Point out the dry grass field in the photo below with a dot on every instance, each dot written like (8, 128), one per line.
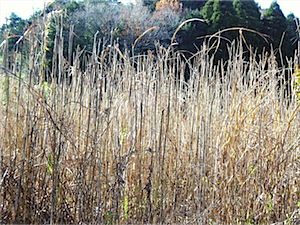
(118, 139)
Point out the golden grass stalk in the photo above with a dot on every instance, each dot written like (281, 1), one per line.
(134, 142)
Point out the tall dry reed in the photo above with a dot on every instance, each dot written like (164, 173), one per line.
(119, 139)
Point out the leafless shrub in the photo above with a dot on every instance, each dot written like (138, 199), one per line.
(126, 23)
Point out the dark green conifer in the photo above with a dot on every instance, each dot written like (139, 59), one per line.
(219, 14)
(192, 33)
(275, 25)
(247, 13)
(248, 16)
(193, 4)
(292, 29)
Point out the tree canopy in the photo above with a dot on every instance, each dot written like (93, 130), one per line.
(248, 16)
(219, 15)
(274, 22)
(125, 23)
(247, 13)
(275, 25)
(193, 4)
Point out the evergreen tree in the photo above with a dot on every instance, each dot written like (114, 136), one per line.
(208, 10)
(292, 29)
(192, 31)
(274, 23)
(15, 28)
(248, 16)
(193, 5)
(219, 14)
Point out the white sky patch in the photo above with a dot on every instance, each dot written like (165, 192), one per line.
(23, 8)
(286, 6)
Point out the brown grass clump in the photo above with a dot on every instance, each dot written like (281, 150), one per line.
(128, 140)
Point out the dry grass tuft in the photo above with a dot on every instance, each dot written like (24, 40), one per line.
(128, 140)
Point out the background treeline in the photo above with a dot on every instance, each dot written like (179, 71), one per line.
(125, 23)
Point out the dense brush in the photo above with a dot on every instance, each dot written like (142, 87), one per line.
(117, 139)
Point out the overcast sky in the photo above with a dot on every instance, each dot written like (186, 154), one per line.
(25, 8)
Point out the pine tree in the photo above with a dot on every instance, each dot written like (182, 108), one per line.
(247, 13)
(15, 28)
(292, 29)
(191, 32)
(248, 16)
(219, 14)
(208, 10)
(274, 23)
(193, 4)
